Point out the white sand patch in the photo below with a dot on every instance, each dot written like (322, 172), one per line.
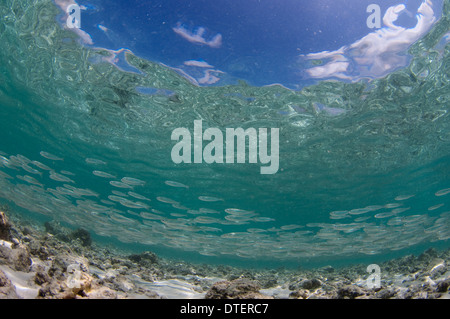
(22, 281)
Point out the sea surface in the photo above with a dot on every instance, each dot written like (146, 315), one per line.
(87, 116)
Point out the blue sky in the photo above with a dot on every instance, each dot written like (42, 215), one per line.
(256, 40)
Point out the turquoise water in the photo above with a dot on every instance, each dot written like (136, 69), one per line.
(364, 166)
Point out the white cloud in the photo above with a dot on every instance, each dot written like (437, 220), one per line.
(200, 64)
(84, 36)
(379, 52)
(197, 36)
(210, 77)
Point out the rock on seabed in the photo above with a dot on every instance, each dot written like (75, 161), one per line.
(63, 263)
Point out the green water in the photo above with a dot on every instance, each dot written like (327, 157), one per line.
(359, 184)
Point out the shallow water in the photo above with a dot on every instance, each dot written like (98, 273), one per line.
(363, 165)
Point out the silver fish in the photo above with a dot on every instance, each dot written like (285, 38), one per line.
(119, 184)
(119, 193)
(30, 180)
(132, 181)
(138, 196)
(209, 199)
(175, 184)
(50, 156)
(435, 207)
(67, 173)
(208, 211)
(31, 170)
(263, 219)
(115, 198)
(238, 211)
(85, 192)
(94, 161)
(166, 200)
(103, 174)
(41, 166)
(130, 204)
(442, 192)
(60, 178)
(403, 197)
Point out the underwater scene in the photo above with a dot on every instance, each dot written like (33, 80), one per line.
(220, 150)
